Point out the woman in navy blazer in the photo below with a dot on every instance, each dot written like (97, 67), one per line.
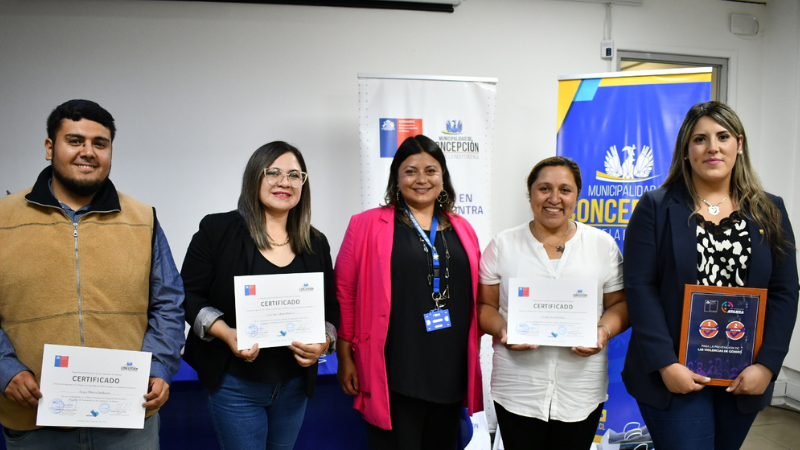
(711, 203)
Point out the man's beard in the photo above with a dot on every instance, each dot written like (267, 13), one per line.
(78, 187)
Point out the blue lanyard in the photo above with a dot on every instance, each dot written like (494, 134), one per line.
(429, 242)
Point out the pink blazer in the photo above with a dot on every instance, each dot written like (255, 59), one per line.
(363, 286)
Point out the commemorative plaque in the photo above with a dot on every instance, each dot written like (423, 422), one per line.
(721, 331)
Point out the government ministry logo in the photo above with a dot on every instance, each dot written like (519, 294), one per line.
(629, 170)
(393, 131)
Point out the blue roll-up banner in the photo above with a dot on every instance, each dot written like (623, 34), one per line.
(621, 128)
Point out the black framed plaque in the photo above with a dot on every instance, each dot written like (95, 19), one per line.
(722, 330)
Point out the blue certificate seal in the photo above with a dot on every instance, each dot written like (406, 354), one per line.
(523, 328)
(56, 406)
(562, 330)
(252, 330)
(290, 327)
(105, 408)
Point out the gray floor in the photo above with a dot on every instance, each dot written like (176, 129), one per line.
(774, 429)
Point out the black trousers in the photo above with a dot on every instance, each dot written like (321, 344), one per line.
(520, 432)
(417, 425)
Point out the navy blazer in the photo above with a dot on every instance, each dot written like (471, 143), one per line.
(660, 259)
(220, 250)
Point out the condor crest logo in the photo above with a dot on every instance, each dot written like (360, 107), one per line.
(629, 170)
(453, 127)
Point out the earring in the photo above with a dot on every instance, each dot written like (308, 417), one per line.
(741, 152)
(398, 195)
(443, 197)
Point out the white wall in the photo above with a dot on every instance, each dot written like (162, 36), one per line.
(196, 87)
(780, 109)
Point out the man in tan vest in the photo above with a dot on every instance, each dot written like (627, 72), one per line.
(83, 265)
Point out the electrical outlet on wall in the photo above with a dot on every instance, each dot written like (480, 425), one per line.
(607, 49)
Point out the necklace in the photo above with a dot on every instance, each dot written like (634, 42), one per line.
(277, 244)
(713, 209)
(560, 247)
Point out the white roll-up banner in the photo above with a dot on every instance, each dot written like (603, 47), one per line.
(456, 112)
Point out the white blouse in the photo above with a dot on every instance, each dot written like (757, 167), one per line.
(550, 382)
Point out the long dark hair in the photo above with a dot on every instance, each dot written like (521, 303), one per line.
(412, 146)
(298, 225)
(746, 189)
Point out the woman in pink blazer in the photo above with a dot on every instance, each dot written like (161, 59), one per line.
(406, 279)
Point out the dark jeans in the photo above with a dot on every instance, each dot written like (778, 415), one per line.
(520, 432)
(704, 420)
(417, 425)
(249, 415)
(49, 438)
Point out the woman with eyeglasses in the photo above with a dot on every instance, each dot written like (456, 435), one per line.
(257, 396)
(548, 395)
(406, 279)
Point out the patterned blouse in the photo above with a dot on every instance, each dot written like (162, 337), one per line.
(723, 251)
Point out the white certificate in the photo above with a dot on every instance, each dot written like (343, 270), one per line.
(93, 387)
(546, 311)
(274, 310)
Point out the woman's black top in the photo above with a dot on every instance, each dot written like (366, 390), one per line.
(426, 365)
(274, 364)
(723, 251)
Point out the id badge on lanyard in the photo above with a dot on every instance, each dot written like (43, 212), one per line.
(437, 319)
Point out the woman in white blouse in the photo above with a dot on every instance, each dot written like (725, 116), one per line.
(551, 397)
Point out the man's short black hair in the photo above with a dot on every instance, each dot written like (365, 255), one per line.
(77, 110)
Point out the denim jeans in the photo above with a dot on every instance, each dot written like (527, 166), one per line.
(49, 438)
(704, 420)
(249, 415)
